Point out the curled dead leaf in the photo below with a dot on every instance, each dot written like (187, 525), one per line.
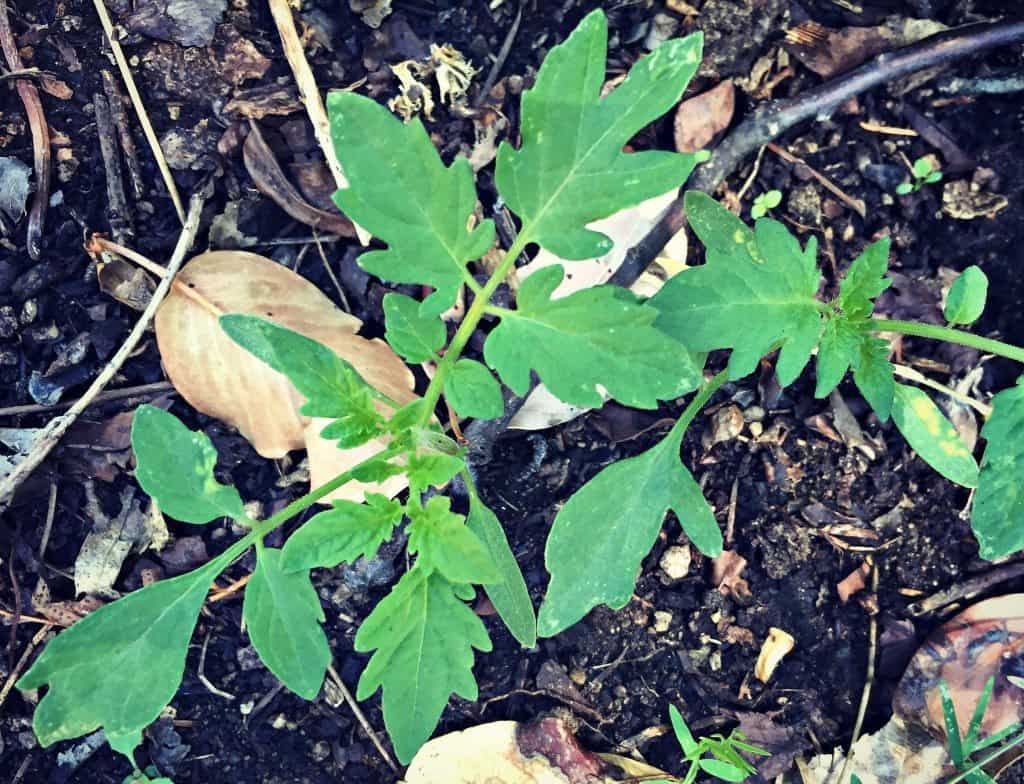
(776, 647)
(219, 378)
(701, 118)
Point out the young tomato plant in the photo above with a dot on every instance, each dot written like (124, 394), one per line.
(118, 667)
(725, 763)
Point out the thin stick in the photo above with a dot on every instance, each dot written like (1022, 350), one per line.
(51, 511)
(124, 133)
(140, 110)
(16, 671)
(118, 212)
(499, 61)
(869, 679)
(309, 93)
(103, 397)
(857, 205)
(58, 426)
(202, 675)
(331, 275)
(224, 593)
(358, 712)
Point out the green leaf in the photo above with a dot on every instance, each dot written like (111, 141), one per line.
(473, 392)
(402, 193)
(934, 177)
(839, 346)
(282, 613)
(966, 299)
(974, 728)
(447, 545)
(865, 280)
(922, 168)
(933, 436)
(604, 531)
(424, 637)
(757, 291)
(904, 188)
(432, 469)
(571, 169)
(998, 514)
(508, 594)
(873, 375)
(956, 751)
(333, 388)
(376, 471)
(722, 770)
(120, 665)
(175, 466)
(598, 336)
(417, 338)
(682, 732)
(342, 534)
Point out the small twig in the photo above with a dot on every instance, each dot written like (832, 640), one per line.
(309, 93)
(869, 678)
(202, 675)
(16, 590)
(58, 426)
(331, 275)
(24, 618)
(102, 397)
(117, 113)
(221, 594)
(51, 512)
(22, 769)
(730, 518)
(29, 95)
(749, 182)
(966, 590)
(16, 670)
(857, 205)
(499, 61)
(361, 718)
(118, 212)
(140, 109)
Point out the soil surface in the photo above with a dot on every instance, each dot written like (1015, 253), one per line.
(783, 470)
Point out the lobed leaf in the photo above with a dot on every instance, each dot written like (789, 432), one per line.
(933, 436)
(598, 336)
(423, 635)
(432, 469)
(473, 392)
(416, 337)
(138, 643)
(966, 299)
(873, 375)
(865, 280)
(998, 514)
(282, 613)
(404, 194)
(508, 594)
(175, 466)
(603, 532)
(445, 544)
(757, 291)
(342, 534)
(570, 169)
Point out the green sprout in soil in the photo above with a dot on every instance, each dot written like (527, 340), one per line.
(725, 763)
(757, 294)
(924, 173)
(768, 200)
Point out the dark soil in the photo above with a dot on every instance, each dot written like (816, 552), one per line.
(791, 474)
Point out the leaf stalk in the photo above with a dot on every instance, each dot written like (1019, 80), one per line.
(950, 335)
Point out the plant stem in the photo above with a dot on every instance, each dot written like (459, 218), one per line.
(707, 389)
(949, 335)
(468, 326)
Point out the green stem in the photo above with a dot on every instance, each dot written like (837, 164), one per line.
(468, 326)
(949, 335)
(707, 389)
(988, 758)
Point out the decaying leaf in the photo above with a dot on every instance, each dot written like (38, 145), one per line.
(776, 647)
(506, 752)
(372, 12)
(828, 52)
(219, 378)
(128, 284)
(701, 118)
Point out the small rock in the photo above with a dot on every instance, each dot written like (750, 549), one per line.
(39, 278)
(804, 203)
(321, 751)
(8, 322)
(885, 175)
(185, 22)
(14, 187)
(27, 739)
(662, 621)
(248, 659)
(675, 562)
(578, 676)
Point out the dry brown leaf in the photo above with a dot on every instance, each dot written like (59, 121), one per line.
(701, 118)
(776, 647)
(221, 379)
(126, 283)
(854, 582)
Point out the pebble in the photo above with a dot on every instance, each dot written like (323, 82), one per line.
(662, 621)
(675, 562)
(8, 322)
(39, 278)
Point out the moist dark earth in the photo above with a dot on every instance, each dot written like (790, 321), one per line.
(779, 466)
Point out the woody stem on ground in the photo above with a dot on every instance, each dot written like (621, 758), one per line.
(950, 335)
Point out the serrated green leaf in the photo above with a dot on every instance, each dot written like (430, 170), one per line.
(445, 544)
(508, 594)
(333, 388)
(120, 665)
(873, 375)
(933, 436)
(473, 392)
(424, 637)
(282, 613)
(432, 469)
(342, 534)
(758, 290)
(840, 342)
(376, 471)
(966, 299)
(598, 336)
(417, 338)
(998, 514)
(603, 532)
(682, 732)
(402, 193)
(175, 466)
(570, 169)
(865, 280)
